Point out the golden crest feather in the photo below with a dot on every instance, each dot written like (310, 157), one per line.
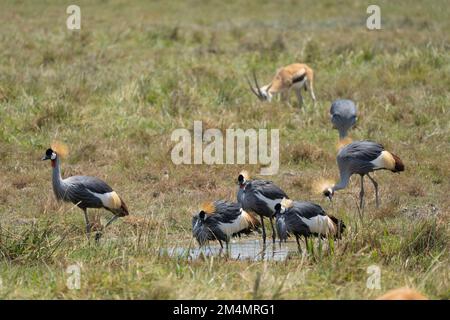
(250, 218)
(208, 207)
(287, 203)
(322, 184)
(60, 148)
(245, 174)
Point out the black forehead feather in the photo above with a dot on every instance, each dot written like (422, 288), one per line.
(49, 152)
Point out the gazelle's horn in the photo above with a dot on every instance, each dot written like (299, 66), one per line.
(261, 96)
(253, 89)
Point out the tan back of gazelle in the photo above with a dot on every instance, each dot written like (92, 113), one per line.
(402, 294)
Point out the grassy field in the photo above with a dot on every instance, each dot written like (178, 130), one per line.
(115, 91)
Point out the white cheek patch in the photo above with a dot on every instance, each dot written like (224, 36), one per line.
(269, 202)
(53, 156)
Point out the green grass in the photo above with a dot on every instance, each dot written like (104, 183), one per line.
(116, 90)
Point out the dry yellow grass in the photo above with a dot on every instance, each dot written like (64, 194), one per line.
(116, 90)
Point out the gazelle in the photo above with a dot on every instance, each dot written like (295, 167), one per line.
(294, 76)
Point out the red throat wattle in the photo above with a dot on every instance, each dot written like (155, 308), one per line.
(53, 163)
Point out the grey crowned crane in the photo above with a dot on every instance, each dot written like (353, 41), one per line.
(301, 218)
(343, 116)
(84, 191)
(260, 197)
(363, 157)
(221, 220)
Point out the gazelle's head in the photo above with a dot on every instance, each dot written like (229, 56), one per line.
(262, 93)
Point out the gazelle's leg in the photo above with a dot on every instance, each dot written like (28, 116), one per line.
(284, 96)
(310, 88)
(298, 93)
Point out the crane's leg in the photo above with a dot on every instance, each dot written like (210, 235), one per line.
(298, 93)
(99, 234)
(375, 184)
(298, 243)
(111, 221)
(264, 230)
(86, 219)
(274, 234)
(221, 244)
(361, 193)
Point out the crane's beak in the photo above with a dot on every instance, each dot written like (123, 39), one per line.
(46, 157)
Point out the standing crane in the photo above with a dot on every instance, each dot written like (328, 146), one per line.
(302, 218)
(84, 191)
(221, 220)
(343, 116)
(296, 76)
(260, 197)
(363, 157)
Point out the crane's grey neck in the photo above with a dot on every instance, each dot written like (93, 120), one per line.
(343, 182)
(342, 133)
(58, 183)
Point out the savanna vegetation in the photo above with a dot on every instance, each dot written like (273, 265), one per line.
(115, 90)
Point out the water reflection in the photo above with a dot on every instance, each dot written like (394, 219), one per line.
(252, 250)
